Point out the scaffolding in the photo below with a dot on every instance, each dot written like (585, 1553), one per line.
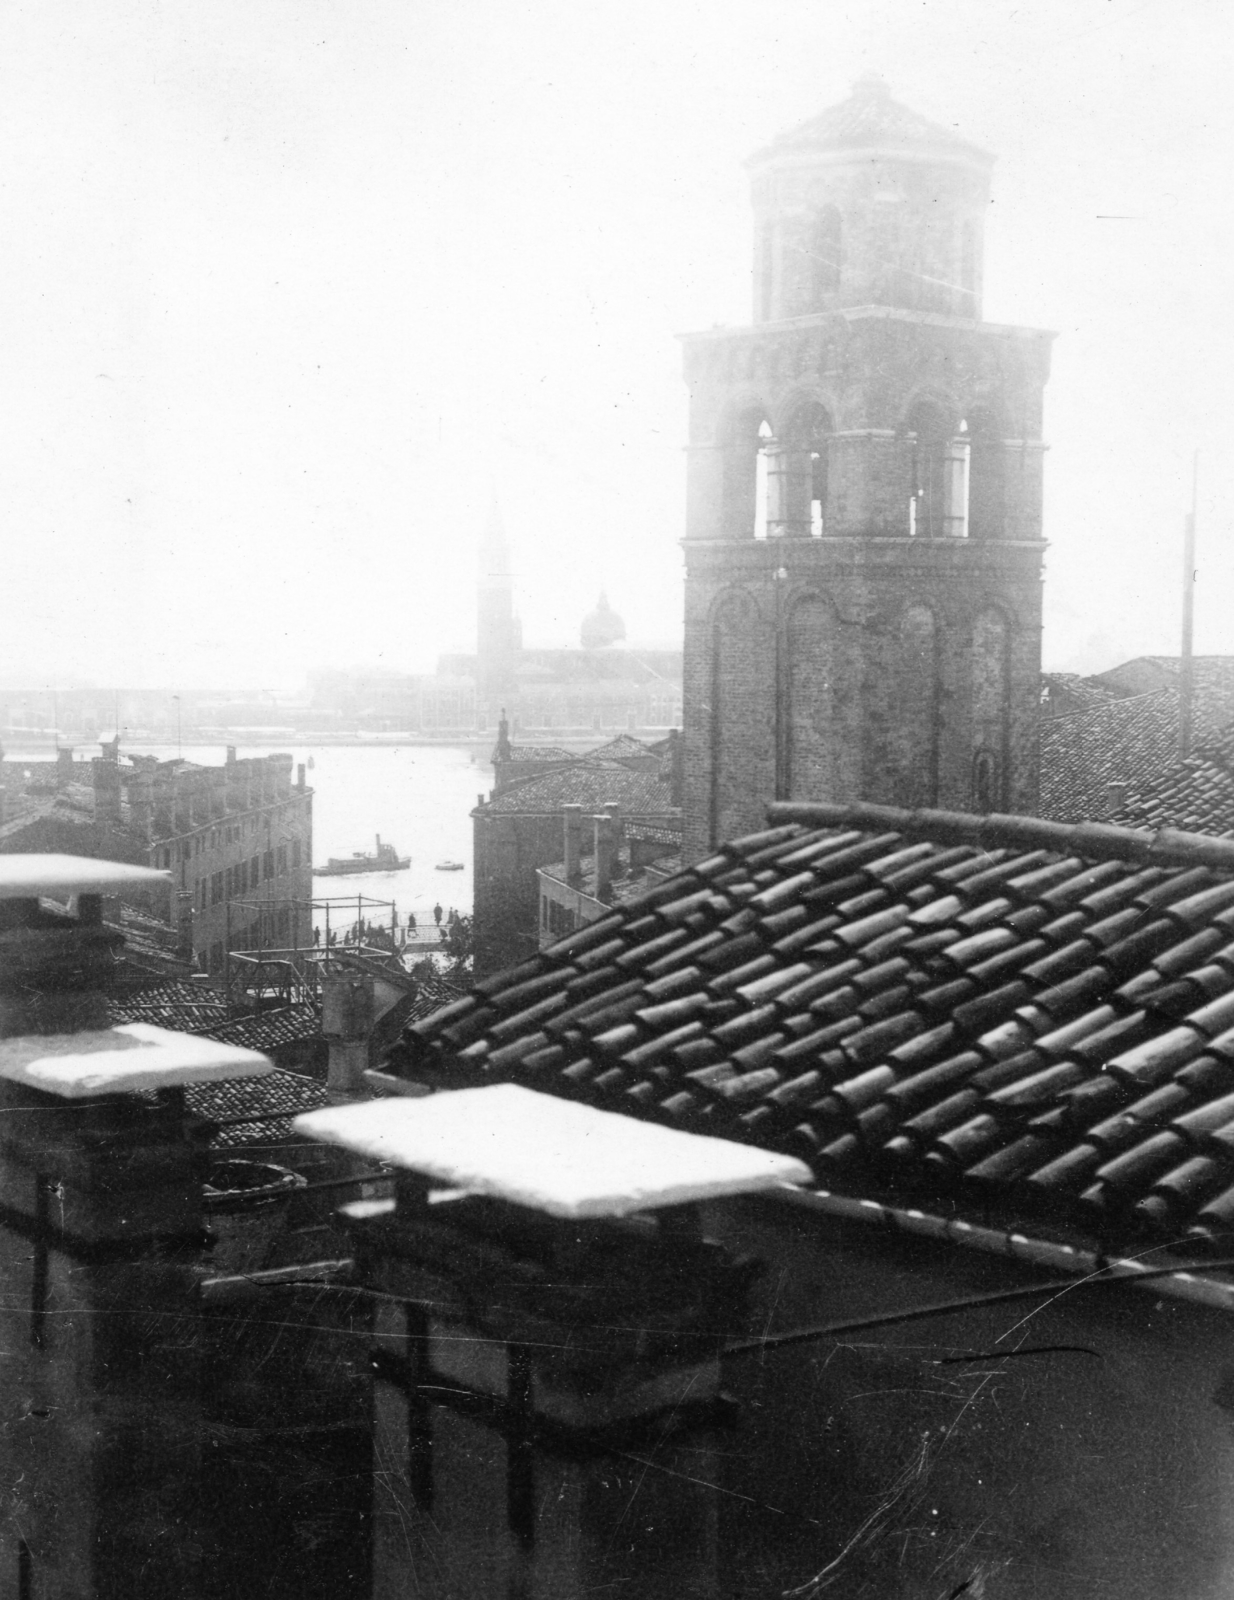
(274, 973)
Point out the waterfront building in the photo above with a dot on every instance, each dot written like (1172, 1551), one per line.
(236, 839)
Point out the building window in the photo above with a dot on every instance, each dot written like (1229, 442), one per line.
(201, 886)
(762, 466)
(268, 865)
(216, 888)
(254, 872)
(282, 860)
(939, 463)
(295, 852)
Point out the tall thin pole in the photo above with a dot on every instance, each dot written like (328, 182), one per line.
(1186, 672)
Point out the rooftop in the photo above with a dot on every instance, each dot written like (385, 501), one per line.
(1002, 1018)
(587, 783)
(871, 119)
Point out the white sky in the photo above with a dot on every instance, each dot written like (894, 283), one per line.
(283, 285)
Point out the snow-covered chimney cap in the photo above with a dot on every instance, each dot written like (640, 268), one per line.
(26, 876)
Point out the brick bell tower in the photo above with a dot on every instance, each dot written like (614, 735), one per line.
(863, 542)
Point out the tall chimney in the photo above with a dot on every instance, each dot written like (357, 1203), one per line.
(604, 856)
(573, 816)
(106, 771)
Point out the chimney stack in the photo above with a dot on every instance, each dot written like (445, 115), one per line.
(106, 772)
(604, 848)
(1115, 794)
(573, 816)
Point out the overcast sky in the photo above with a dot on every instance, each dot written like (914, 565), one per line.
(285, 286)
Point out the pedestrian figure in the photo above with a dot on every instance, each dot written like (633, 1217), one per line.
(316, 935)
(437, 913)
(411, 922)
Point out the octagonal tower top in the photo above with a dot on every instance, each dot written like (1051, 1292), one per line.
(868, 203)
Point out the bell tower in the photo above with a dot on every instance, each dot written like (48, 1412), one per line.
(499, 634)
(863, 541)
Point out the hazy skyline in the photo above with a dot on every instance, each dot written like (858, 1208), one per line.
(285, 287)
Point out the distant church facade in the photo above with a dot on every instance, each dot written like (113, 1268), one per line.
(863, 542)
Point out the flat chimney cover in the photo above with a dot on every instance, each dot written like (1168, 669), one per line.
(550, 1155)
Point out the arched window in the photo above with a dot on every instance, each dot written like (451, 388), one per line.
(985, 781)
(826, 243)
(762, 466)
(939, 459)
(913, 731)
(744, 491)
(798, 505)
(990, 690)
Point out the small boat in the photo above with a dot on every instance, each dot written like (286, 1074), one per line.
(384, 859)
(449, 866)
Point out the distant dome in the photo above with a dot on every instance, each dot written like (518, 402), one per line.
(601, 626)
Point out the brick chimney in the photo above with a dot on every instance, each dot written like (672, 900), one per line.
(106, 775)
(1115, 794)
(573, 817)
(604, 855)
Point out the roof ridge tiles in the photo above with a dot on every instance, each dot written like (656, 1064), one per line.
(1093, 840)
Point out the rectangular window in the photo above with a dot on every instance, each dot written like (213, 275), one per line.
(216, 888)
(268, 865)
(201, 886)
(254, 872)
(282, 858)
(295, 852)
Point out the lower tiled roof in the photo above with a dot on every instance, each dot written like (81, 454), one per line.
(1196, 794)
(998, 1018)
(272, 1101)
(587, 783)
(1123, 741)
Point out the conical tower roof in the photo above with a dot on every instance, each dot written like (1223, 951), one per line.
(871, 119)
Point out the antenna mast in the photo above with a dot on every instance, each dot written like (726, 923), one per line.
(1186, 673)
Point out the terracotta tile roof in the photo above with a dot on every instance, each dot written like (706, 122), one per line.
(193, 1008)
(272, 1100)
(431, 994)
(1074, 693)
(995, 1018)
(621, 748)
(1196, 794)
(266, 1029)
(538, 752)
(1120, 741)
(589, 784)
(654, 833)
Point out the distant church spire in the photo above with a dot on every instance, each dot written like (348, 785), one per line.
(499, 634)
